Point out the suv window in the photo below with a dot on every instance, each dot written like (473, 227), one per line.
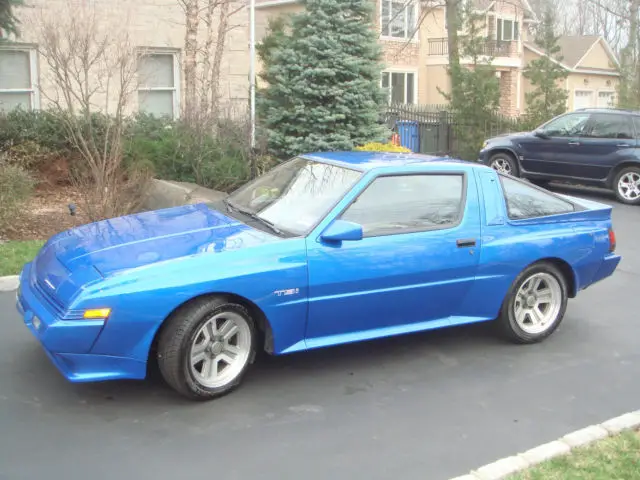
(526, 201)
(570, 125)
(607, 125)
(636, 121)
(408, 203)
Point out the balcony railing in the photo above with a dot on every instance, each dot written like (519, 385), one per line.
(491, 48)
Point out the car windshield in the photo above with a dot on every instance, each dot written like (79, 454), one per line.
(295, 196)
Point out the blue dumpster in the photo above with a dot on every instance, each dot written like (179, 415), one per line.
(409, 135)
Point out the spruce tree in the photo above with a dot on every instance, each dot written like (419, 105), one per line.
(548, 99)
(475, 90)
(323, 90)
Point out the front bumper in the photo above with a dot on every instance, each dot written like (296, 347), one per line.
(68, 342)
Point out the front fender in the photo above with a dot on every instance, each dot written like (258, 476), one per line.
(273, 277)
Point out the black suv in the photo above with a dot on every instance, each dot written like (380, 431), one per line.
(596, 147)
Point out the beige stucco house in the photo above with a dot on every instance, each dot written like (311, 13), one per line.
(414, 40)
(155, 28)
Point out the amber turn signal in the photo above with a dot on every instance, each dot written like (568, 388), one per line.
(97, 313)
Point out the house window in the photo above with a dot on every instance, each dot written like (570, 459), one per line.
(401, 87)
(398, 18)
(507, 30)
(158, 82)
(18, 78)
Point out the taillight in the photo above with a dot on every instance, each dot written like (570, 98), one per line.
(612, 240)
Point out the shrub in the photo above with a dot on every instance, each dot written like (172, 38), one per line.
(176, 151)
(16, 186)
(382, 147)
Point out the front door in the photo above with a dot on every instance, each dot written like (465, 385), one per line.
(415, 264)
(554, 151)
(608, 137)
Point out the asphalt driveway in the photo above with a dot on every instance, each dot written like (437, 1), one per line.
(429, 406)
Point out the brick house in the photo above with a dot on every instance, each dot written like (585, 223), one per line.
(416, 52)
(156, 27)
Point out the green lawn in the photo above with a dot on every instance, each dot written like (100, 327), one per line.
(614, 458)
(13, 255)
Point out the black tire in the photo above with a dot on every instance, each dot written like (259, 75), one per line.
(507, 323)
(177, 340)
(616, 185)
(508, 163)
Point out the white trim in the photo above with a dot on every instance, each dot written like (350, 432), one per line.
(587, 52)
(34, 73)
(177, 79)
(400, 69)
(274, 3)
(507, 62)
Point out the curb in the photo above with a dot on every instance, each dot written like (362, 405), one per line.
(9, 284)
(510, 465)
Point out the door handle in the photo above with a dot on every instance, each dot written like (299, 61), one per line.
(574, 144)
(467, 242)
(623, 145)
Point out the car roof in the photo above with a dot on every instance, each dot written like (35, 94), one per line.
(621, 111)
(365, 161)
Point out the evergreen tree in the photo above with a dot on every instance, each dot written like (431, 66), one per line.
(323, 90)
(8, 21)
(548, 99)
(475, 89)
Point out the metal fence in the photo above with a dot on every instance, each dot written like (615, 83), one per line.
(432, 129)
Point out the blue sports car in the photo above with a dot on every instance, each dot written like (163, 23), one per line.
(325, 249)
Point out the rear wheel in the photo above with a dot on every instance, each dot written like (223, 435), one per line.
(535, 305)
(206, 348)
(627, 185)
(504, 163)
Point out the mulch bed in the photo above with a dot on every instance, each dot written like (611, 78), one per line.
(46, 213)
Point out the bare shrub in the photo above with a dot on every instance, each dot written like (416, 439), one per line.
(93, 67)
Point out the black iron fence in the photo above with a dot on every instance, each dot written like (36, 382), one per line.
(431, 129)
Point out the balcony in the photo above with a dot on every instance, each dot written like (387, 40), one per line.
(490, 48)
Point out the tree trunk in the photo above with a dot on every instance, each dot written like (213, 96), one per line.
(453, 25)
(223, 27)
(190, 58)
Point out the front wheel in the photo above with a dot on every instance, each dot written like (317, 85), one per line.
(206, 348)
(535, 304)
(627, 186)
(504, 163)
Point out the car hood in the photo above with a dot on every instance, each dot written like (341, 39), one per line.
(510, 136)
(138, 240)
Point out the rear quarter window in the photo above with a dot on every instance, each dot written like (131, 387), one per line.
(527, 201)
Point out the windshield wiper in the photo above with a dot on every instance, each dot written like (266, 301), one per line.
(253, 215)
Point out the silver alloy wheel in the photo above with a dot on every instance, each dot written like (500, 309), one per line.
(538, 303)
(501, 165)
(629, 186)
(220, 350)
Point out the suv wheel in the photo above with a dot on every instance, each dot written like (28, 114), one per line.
(504, 163)
(627, 185)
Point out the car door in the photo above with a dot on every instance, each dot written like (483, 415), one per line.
(609, 136)
(415, 263)
(551, 150)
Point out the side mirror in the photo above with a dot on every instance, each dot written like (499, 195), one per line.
(540, 134)
(341, 231)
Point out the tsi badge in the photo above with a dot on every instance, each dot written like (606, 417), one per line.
(284, 293)
(49, 284)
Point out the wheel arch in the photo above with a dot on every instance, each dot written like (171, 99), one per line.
(262, 322)
(566, 269)
(616, 170)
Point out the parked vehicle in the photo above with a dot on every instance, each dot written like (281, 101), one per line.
(325, 249)
(595, 147)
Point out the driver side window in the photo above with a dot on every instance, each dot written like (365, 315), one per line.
(408, 203)
(571, 125)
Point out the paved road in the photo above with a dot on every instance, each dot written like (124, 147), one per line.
(424, 407)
